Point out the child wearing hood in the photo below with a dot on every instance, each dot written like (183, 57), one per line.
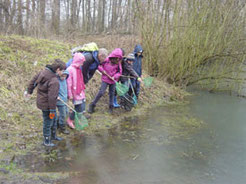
(47, 92)
(61, 106)
(111, 71)
(137, 66)
(76, 87)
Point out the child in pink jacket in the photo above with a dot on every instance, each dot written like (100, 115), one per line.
(76, 86)
(111, 71)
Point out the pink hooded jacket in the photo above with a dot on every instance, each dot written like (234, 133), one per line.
(113, 70)
(73, 80)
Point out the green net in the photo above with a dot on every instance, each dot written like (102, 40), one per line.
(135, 100)
(148, 81)
(121, 89)
(80, 121)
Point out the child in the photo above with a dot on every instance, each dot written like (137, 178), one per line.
(48, 87)
(111, 71)
(137, 66)
(62, 97)
(128, 71)
(76, 87)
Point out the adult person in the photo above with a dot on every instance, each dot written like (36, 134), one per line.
(92, 61)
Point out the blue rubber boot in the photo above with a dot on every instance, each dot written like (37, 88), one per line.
(116, 105)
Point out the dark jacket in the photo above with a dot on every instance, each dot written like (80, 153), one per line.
(48, 88)
(127, 70)
(137, 65)
(90, 65)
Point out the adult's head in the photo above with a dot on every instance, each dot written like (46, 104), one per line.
(102, 54)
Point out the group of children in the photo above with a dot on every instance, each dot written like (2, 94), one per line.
(60, 82)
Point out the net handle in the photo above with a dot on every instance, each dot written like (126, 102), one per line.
(107, 75)
(67, 105)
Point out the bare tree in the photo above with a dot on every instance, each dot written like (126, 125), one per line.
(20, 19)
(55, 25)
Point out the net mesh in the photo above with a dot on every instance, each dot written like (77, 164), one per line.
(121, 89)
(148, 81)
(80, 121)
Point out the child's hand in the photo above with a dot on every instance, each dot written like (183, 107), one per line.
(51, 115)
(140, 79)
(26, 95)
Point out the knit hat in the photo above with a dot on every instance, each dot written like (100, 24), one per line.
(130, 57)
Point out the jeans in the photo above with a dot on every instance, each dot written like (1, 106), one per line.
(62, 109)
(77, 108)
(48, 124)
(101, 92)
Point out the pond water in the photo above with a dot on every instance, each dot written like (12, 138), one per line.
(202, 142)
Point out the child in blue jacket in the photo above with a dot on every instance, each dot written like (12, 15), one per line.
(62, 97)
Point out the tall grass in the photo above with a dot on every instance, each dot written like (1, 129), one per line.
(189, 42)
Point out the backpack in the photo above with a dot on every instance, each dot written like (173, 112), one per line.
(88, 47)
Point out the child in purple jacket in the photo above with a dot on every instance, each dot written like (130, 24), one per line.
(111, 71)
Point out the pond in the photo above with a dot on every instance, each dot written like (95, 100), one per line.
(201, 142)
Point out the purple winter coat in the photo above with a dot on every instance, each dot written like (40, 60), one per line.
(113, 70)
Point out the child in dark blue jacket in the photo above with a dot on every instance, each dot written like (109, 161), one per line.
(137, 66)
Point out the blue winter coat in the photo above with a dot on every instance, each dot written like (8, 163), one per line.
(137, 64)
(62, 90)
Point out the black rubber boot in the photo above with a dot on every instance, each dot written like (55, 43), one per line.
(91, 108)
(110, 110)
(47, 142)
(64, 130)
(54, 137)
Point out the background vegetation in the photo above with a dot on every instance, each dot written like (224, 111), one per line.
(185, 41)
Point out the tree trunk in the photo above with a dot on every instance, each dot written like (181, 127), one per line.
(73, 13)
(102, 28)
(42, 18)
(19, 18)
(113, 20)
(6, 12)
(55, 24)
(94, 17)
(27, 22)
(88, 14)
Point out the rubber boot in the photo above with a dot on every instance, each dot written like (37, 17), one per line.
(64, 130)
(47, 142)
(70, 123)
(91, 108)
(110, 110)
(115, 104)
(54, 137)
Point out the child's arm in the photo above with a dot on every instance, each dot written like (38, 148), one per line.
(132, 72)
(118, 74)
(32, 85)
